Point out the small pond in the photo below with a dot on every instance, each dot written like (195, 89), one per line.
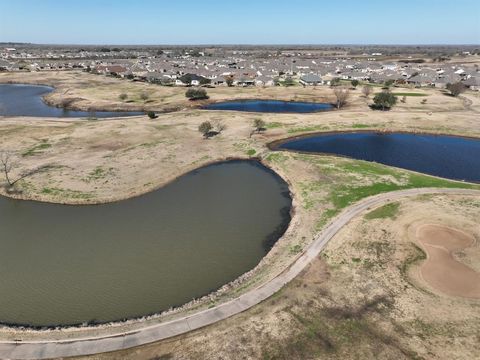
(26, 100)
(62, 265)
(440, 155)
(269, 106)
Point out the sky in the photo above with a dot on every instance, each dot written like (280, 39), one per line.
(165, 22)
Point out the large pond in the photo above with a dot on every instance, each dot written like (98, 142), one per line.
(269, 106)
(445, 156)
(26, 100)
(64, 265)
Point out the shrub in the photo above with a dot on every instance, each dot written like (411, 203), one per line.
(389, 83)
(152, 115)
(259, 124)
(355, 83)
(205, 128)
(196, 94)
(123, 97)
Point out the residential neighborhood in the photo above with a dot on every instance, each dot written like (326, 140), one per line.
(244, 67)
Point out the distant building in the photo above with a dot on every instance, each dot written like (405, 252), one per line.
(311, 80)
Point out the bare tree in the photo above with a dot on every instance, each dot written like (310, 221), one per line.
(456, 88)
(342, 95)
(219, 126)
(8, 163)
(367, 90)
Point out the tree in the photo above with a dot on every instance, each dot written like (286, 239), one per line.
(456, 88)
(342, 95)
(196, 94)
(123, 96)
(229, 80)
(258, 124)
(219, 126)
(355, 83)
(384, 100)
(367, 90)
(8, 163)
(151, 115)
(205, 128)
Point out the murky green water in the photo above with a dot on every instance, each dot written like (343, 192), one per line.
(75, 264)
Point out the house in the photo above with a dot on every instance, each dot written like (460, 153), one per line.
(111, 69)
(245, 81)
(191, 79)
(473, 83)
(264, 81)
(5, 65)
(311, 80)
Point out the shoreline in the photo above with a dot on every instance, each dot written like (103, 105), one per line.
(215, 294)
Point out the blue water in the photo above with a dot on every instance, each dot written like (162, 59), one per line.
(445, 156)
(270, 106)
(26, 100)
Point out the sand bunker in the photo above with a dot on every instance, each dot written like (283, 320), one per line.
(441, 270)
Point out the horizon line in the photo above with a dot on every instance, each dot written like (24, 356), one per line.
(239, 44)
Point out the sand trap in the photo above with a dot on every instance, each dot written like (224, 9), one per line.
(441, 270)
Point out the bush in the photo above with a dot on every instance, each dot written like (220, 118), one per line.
(196, 94)
(384, 100)
(355, 83)
(259, 124)
(123, 97)
(205, 129)
(152, 115)
(335, 82)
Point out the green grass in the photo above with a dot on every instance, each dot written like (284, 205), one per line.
(408, 94)
(273, 125)
(98, 173)
(307, 129)
(344, 182)
(64, 193)
(384, 212)
(37, 149)
(361, 126)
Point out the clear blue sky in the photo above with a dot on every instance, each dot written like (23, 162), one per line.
(240, 22)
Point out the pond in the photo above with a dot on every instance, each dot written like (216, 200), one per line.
(450, 157)
(26, 100)
(64, 265)
(269, 106)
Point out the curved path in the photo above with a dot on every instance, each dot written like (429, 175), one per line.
(92, 345)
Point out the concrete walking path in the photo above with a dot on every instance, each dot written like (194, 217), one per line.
(92, 345)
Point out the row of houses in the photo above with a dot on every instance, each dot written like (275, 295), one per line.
(240, 69)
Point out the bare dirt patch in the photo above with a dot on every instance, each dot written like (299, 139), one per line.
(441, 270)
